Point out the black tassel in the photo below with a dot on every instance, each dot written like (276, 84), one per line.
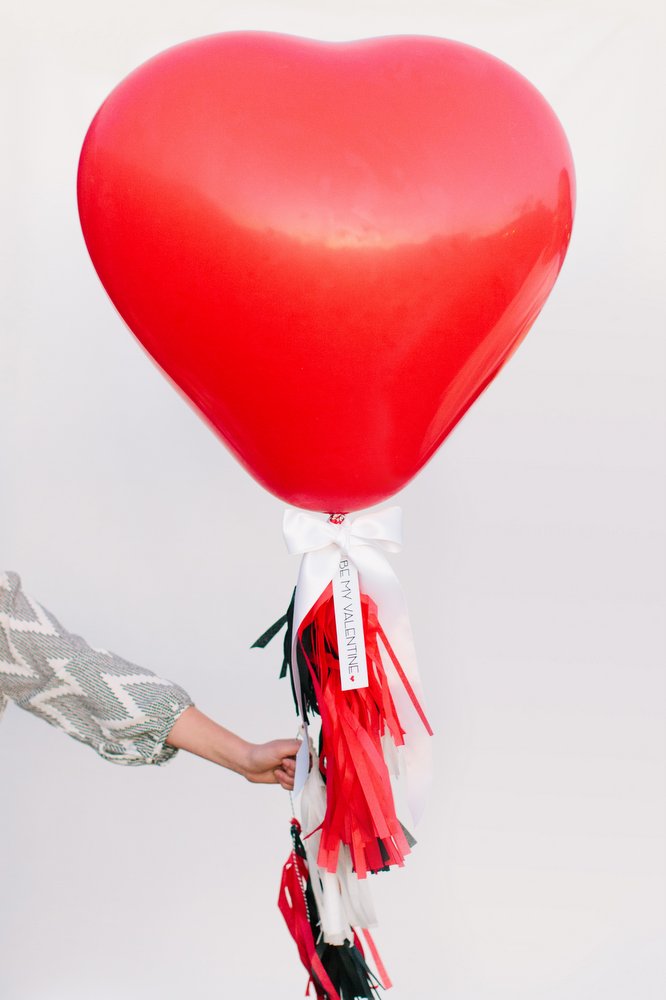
(348, 971)
(304, 648)
(270, 633)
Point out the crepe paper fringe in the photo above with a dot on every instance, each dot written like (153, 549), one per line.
(360, 809)
(337, 972)
(270, 633)
(343, 900)
(356, 729)
(347, 802)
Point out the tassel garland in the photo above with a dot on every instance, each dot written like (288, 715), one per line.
(370, 732)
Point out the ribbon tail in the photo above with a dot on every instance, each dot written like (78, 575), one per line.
(380, 582)
(314, 576)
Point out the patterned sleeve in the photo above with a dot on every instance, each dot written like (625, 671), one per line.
(122, 711)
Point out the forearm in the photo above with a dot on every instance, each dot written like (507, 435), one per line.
(195, 732)
(263, 763)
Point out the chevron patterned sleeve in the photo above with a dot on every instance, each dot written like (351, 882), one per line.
(122, 711)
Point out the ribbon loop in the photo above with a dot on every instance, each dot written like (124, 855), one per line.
(303, 532)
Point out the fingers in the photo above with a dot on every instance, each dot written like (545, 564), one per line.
(287, 770)
(284, 779)
(273, 763)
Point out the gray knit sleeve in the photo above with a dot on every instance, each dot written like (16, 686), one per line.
(122, 711)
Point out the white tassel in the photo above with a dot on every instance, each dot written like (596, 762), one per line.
(342, 899)
(356, 895)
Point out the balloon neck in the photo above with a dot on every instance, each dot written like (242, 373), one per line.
(336, 518)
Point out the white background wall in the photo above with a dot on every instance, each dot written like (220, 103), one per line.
(534, 568)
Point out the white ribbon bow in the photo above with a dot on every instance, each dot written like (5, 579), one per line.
(363, 540)
(305, 532)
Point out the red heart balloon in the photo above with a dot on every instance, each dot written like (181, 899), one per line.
(331, 248)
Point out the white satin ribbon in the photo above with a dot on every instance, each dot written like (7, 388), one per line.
(363, 539)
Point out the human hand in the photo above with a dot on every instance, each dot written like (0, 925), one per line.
(272, 763)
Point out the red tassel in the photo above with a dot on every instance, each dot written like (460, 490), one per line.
(360, 810)
(379, 965)
(293, 907)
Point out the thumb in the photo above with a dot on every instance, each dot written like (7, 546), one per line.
(286, 748)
